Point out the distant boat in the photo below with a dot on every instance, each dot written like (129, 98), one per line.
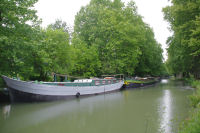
(32, 91)
(140, 82)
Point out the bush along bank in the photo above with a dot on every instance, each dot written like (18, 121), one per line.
(192, 124)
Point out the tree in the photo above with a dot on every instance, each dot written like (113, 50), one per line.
(118, 33)
(59, 51)
(16, 35)
(86, 60)
(59, 24)
(150, 62)
(51, 54)
(183, 51)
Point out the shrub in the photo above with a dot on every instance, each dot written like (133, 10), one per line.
(192, 124)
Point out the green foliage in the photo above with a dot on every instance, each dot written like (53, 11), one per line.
(183, 51)
(2, 84)
(124, 43)
(16, 35)
(196, 84)
(150, 62)
(108, 38)
(192, 124)
(14, 14)
(59, 24)
(58, 49)
(26, 50)
(195, 100)
(86, 60)
(52, 53)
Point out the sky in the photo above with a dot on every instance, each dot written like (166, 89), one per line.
(150, 10)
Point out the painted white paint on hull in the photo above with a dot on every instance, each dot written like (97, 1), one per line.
(52, 90)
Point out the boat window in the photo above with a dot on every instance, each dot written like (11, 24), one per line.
(83, 81)
(103, 82)
(89, 80)
(97, 82)
(61, 84)
(109, 82)
(75, 81)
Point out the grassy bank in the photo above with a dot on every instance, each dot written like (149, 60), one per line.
(192, 124)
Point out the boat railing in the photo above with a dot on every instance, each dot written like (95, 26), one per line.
(115, 76)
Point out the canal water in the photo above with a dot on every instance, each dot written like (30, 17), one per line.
(156, 109)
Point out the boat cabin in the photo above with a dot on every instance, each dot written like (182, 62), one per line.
(85, 82)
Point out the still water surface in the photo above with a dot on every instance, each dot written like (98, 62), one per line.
(156, 109)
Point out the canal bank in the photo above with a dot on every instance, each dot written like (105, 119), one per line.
(155, 109)
(192, 123)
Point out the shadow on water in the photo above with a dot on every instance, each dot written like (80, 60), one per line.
(4, 96)
(155, 109)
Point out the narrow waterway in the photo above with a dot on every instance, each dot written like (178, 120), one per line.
(156, 109)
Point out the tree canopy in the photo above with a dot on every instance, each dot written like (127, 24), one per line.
(109, 37)
(16, 34)
(184, 44)
(123, 41)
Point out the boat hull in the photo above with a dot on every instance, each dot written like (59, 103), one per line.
(18, 96)
(21, 91)
(137, 85)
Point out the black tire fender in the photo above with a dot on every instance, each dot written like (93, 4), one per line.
(78, 94)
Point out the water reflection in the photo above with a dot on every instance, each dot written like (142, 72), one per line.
(166, 112)
(187, 88)
(143, 110)
(164, 81)
(6, 111)
(43, 112)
